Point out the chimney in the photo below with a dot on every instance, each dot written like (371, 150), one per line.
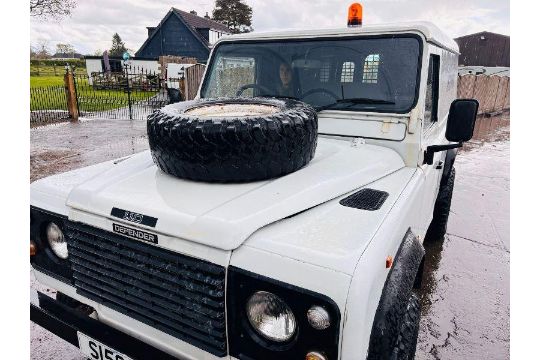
(193, 12)
(151, 30)
(206, 16)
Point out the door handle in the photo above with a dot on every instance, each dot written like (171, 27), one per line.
(439, 165)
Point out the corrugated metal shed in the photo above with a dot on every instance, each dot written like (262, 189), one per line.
(484, 49)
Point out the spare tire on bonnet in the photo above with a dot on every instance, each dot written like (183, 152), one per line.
(233, 139)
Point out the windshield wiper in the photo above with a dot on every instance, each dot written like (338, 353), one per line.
(355, 101)
(280, 96)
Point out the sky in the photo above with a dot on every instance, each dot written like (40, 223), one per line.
(93, 22)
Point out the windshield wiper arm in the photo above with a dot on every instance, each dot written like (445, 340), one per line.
(355, 101)
(280, 96)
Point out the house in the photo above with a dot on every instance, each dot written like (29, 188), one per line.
(182, 33)
(484, 49)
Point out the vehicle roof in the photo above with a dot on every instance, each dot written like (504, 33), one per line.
(429, 30)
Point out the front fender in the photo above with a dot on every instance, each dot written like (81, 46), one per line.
(368, 286)
(395, 296)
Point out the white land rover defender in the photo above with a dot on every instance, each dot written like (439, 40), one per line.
(280, 215)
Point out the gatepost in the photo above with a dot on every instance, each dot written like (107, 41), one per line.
(71, 95)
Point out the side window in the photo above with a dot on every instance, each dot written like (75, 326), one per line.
(347, 72)
(371, 69)
(432, 91)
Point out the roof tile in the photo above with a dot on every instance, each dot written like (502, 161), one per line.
(197, 22)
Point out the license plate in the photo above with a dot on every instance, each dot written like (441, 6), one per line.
(98, 351)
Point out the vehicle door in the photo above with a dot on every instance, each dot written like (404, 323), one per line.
(432, 134)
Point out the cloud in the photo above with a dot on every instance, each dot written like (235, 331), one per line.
(95, 21)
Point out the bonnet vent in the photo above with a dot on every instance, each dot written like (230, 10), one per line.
(365, 199)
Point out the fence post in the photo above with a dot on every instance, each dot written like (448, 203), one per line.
(71, 95)
(128, 92)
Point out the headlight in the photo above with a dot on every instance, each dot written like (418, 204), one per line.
(270, 316)
(56, 240)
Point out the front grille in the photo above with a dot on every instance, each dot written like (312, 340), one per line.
(179, 295)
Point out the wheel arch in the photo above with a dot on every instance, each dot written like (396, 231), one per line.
(405, 274)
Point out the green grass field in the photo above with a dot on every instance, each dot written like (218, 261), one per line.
(47, 93)
(43, 81)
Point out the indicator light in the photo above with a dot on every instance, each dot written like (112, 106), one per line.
(318, 318)
(389, 261)
(315, 355)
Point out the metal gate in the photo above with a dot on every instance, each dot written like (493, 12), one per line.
(132, 94)
(48, 105)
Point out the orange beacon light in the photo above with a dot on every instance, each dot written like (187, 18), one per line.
(355, 15)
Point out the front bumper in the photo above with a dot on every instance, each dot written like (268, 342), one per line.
(65, 322)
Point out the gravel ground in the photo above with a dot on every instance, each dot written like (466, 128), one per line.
(466, 294)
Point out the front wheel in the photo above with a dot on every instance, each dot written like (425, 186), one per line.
(405, 348)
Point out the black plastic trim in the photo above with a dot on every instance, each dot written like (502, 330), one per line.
(448, 164)
(65, 321)
(174, 293)
(395, 296)
(245, 343)
(45, 260)
(340, 37)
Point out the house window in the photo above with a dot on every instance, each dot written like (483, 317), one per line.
(432, 92)
(371, 69)
(324, 72)
(347, 72)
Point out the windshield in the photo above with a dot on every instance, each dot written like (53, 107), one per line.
(350, 74)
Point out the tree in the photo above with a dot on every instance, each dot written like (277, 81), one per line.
(118, 47)
(55, 9)
(40, 50)
(64, 48)
(235, 14)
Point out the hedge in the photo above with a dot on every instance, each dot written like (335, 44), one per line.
(48, 62)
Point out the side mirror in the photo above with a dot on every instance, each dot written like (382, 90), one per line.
(461, 120)
(459, 127)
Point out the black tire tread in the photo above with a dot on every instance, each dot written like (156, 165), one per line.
(441, 211)
(233, 149)
(408, 336)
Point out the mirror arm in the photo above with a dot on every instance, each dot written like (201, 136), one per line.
(432, 149)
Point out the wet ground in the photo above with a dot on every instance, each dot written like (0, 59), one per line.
(466, 294)
(66, 146)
